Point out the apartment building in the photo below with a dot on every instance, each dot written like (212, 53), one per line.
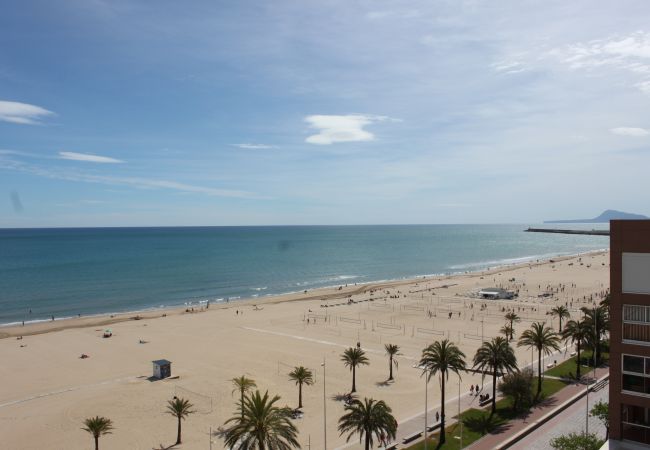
(629, 388)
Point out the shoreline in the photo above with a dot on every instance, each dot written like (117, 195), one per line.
(42, 326)
(54, 380)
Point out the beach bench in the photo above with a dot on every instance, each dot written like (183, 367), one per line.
(392, 446)
(433, 426)
(411, 437)
(573, 353)
(485, 402)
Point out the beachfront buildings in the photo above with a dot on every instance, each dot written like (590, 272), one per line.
(629, 389)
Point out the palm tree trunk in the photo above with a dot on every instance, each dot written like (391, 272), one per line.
(578, 362)
(606, 433)
(390, 368)
(354, 376)
(494, 391)
(178, 437)
(242, 404)
(442, 410)
(299, 395)
(367, 440)
(539, 372)
(96, 442)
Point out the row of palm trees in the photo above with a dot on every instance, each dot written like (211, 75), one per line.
(495, 356)
(354, 357)
(99, 426)
(260, 424)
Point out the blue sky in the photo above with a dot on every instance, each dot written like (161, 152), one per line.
(136, 113)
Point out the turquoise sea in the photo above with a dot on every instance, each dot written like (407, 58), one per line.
(65, 272)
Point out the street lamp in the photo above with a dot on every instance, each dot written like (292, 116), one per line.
(460, 419)
(324, 409)
(482, 340)
(426, 400)
(595, 349)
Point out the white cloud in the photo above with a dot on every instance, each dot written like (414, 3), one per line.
(254, 146)
(644, 86)
(88, 158)
(134, 182)
(630, 131)
(636, 45)
(348, 128)
(22, 113)
(629, 53)
(508, 66)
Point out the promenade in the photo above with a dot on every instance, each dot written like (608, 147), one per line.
(415, 424)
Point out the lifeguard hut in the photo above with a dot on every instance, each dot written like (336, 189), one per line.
(162, 369)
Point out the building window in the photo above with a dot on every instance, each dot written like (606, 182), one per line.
(636, 324)
(635, 423)
(634, 273)
(636, 375)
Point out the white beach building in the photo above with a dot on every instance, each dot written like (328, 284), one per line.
(496, 293)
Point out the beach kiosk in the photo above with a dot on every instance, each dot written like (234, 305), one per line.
(496, 293)
(162, 369)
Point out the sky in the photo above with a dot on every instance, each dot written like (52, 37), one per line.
(167, 112)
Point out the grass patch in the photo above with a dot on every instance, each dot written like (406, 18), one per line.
(477, 422)
(549, 387)
(567, 369)
(453, 434)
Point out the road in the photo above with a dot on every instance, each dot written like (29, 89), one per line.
(570, 420)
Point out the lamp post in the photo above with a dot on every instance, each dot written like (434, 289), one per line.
(324, 409)
(426, 400)
(426, 408)
(460, 419)
(482, 340)
(595, 349)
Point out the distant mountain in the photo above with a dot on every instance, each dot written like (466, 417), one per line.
(606, 216)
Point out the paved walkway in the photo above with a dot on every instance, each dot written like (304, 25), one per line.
(498, 438)
(570, 420)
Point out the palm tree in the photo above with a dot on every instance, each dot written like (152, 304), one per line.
(368, 418)
(597, 321)
(562, 313)
(179, 408)
(576, 331)
(542, 338)
(242, 385)
(442, 356)
(261, 425)
(98, 426)
(301, 375)
(353, 357)
(507, 331)
(498, 356)
(392, 350)
(513, 318)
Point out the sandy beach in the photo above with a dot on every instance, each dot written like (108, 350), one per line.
(47, 390)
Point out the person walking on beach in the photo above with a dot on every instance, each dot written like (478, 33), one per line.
(437, 416)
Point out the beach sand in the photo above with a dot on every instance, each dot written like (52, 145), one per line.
(47, 390)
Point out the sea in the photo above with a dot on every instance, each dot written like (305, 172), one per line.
(62, 273)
